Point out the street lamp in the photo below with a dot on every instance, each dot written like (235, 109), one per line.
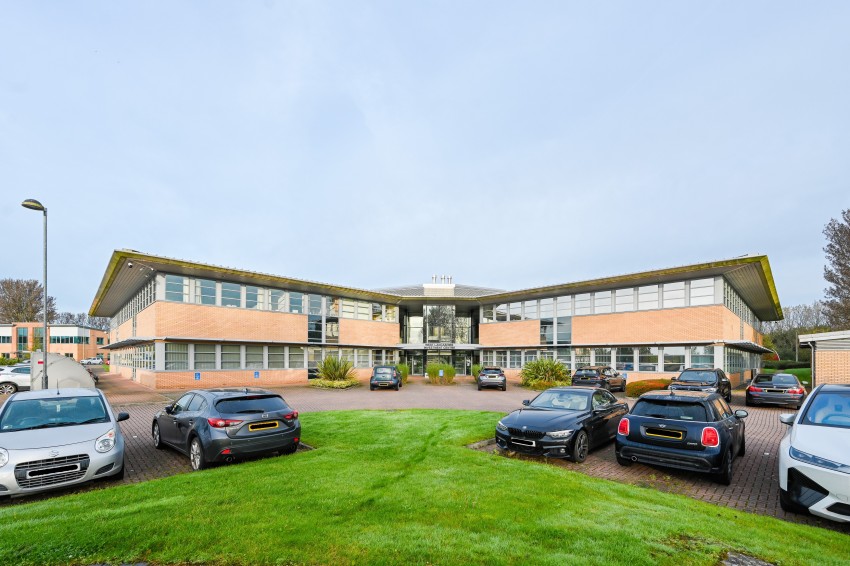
(33, 204)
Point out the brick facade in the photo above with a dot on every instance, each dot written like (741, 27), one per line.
(369, 333)
(518, 333)
(76, 351)
(832, 366)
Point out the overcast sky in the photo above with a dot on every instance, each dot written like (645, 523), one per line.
(371, 144)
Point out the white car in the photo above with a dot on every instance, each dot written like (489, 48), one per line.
(814, 457)
(14, 378)
(92, 361)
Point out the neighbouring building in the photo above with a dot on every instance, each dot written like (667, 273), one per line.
(18, 339)
(830, 356)
(178, 324)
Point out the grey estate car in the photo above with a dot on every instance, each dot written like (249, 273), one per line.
(55, 438)
(220, 425)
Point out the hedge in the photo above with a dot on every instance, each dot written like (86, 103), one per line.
(638, 388)
(786, 364)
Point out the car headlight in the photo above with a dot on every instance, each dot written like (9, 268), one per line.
(560, 433)
(501, 426)
(106, 442)
(817, 461)
(4, 457)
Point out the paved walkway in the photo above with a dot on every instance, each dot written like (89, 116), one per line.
(754, 487)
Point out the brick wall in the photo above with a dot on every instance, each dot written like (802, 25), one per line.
(146, 322)
(224, 378)
(223, 323)
(368, 332)
(667, 325)
(518, 333)
(832, 366)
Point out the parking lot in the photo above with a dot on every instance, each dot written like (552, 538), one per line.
(754, 487)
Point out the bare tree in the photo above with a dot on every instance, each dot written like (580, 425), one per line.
(22, 300)
(799, 317)
(837, 271)
(82, 319)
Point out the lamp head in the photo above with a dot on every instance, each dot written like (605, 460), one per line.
(33, 204)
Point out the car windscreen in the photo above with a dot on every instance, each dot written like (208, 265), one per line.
(698, 376)
(565, 400)
(30, 414)
(829, 408)
(675, 410)
(586, 373)
(383, 371)
(252, 404)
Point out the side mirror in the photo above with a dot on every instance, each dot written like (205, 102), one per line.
(526, 402)
(122, 417)
(169, 408)
(741, 413)
(787, 418)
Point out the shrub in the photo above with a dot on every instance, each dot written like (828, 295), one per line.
(433, 371)
(544, 373)
(333, 384)
(476, 369)
(786, 364)
(335, 369)
(404, 370)
(638, 388)
(9, 361)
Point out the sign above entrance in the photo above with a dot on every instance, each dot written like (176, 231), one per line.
(439, 346)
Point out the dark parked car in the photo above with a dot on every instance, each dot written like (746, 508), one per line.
(385, 377)
(492, 377)
(562, 422)
(688, 430)
(776, 389)
(600, 376)
(710, 380)
(219, 425)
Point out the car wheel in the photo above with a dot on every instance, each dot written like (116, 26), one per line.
(196, 454)
(396, 386)
(505, 387)
(7, 388)
(748, 403)
(291, 449)
(157, 438)
(120, 475)
(623, 461)
(479, 387)
(725, 477)
(371, 388)
(580, 447)
(743, 449)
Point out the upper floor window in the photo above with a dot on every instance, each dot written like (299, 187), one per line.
(231, 295)
(253, 297)
(648, 297)
(702, 292)
(583, 303)
(205, 291)
(602, 302)
(624, 300)
(674, 294)
(176, 288)
(565, 306)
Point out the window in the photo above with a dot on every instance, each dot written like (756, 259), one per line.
(648, 359)
(564, 356)
(231, 295)
(204, 356)
(702, 356)
(314, 328)
(205, 291)
(674, 358)
(624, 300)
(362, 359)
(99, 341)
(296, 303)
(565, 330)
(602, 302)
(501, 313)
(8, 340)
(648, 297)
(547, 355)
(364, 311)
(583, 304)
(547, 308)
(345, 355)
(377, 357)
(348, 308)
(253, 297)
(502, 358)
(314, 304)
(253, 357)
(231, 356)
(530, 310)
(565, 306)
(547, 331)
(515, 310)
(626, 359)
(277, 357)
(332, 306)
(582, 356)
(377, 312)
(176, 288)
(674, 295)
(332, 330)
(277, 300)
(487, 314)
(530, 355)
(176, 356)
(702, 292)
(296, 357)
(602, 356)
(196, 403)
(515, 359)
(392, 313)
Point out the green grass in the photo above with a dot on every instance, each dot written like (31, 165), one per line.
(396, 487)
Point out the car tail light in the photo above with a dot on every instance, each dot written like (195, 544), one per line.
(796, 391)
(223, 423)
(710, 437)
(754, 389)
(291, 416)
(623, 427)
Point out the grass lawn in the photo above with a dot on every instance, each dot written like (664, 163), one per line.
(396, 487)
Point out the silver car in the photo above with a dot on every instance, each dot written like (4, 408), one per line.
(56, 438)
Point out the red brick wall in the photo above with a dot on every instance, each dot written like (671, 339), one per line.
(664, 325)
(517, 333)
(368, 332)
(832, 366)
(201, 321)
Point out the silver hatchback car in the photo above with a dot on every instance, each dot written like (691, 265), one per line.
(55, 438)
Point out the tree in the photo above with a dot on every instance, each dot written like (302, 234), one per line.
(22, 300)
(781, 335)
(82, 319)
(837, 271)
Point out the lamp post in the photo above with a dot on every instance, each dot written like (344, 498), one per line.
(33, 204)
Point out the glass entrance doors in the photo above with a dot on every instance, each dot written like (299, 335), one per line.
(418, 360)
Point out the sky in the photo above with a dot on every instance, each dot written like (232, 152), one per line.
(374, 144)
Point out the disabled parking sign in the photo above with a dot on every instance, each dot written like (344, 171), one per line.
(256, 375)
(197, 376)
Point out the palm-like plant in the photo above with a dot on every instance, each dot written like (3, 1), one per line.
(335, 369)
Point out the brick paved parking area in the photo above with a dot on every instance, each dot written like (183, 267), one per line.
(754, 488)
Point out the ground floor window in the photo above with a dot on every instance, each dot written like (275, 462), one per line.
(176, 356)
(625, 359)
(204, 356)
(674, 358)
(602, 356)
(702, 356)
(648, 358)
(582, 357)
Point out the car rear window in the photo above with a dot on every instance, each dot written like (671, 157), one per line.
(383, 371)
(252, 404)
(28, 414)
(586, 373)
(784, 379)
(698, 376)
(494, 371)
(675, 410)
